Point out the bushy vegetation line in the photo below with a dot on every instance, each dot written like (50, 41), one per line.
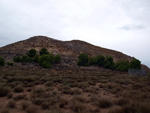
(44, 58)
(108, 62)
(2, 61)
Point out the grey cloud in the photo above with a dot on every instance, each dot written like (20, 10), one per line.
(132, 27)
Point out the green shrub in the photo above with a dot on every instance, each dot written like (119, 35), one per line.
(83, 60)
(35, 58)
(17, 59)
(10, 63)
(46, 64)
(25, 58)
(109, 62)
(135, 64)
(93, 61)
(100, 60)
(122, 65)
(48, 58)
(44, 51)
(2, 61)
(32, 53)
(57, 59)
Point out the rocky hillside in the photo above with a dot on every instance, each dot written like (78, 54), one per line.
(69, 50)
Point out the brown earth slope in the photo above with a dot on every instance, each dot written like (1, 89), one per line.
(69, 50)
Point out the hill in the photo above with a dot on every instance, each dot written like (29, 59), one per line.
(69, 50)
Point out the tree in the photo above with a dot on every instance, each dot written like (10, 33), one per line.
(48, 58)
(10, 63)
(93, 61)
(83, 60)
(46, 65)
(44, 51)
(35, 58)
(135, 64)
(100, 60)
(18, 59)
(2, 61)
(57, 58)
(32, 53)
(109, 62)
(25, 58)
(122, 65)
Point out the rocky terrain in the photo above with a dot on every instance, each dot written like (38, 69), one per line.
(69, 50)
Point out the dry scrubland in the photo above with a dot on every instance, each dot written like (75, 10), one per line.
(49, 91)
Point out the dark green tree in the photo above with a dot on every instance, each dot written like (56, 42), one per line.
(44, 51)
(100, 60)
(46, 64)
(83, 60)
(18, 59)
(32, 53)
(10, 63)
(109, 62)
(122, 65)
(135, 64)
(48, 58)
(35, 58)
(93, 61)
(25, 58)
(57, 59)
(2, 61)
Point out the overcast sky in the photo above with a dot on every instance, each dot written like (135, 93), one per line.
(122, 25)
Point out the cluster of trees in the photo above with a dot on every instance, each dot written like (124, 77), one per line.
(44, 58)
(2, 62)
(108, 62)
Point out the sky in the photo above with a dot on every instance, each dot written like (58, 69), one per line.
(122, 25)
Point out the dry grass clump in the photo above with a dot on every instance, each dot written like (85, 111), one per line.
(132, 108)
(80, 99)
(25, 104)
(63, 102)
(32, 109)
(104, 103)
(49, 83)
(4, 90)
(11, 104)
(10, 95)
(20, 97)
(18, 89)
(44, 98)
(76, 91)
(65, 89)
(122, 101)
(79, 107)
(56, 110)
(5, 110)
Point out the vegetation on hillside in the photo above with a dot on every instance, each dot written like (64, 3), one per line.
(108, 62)
(44, 58)
(2, 61)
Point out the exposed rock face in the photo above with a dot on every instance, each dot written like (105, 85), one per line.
(69, 50)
